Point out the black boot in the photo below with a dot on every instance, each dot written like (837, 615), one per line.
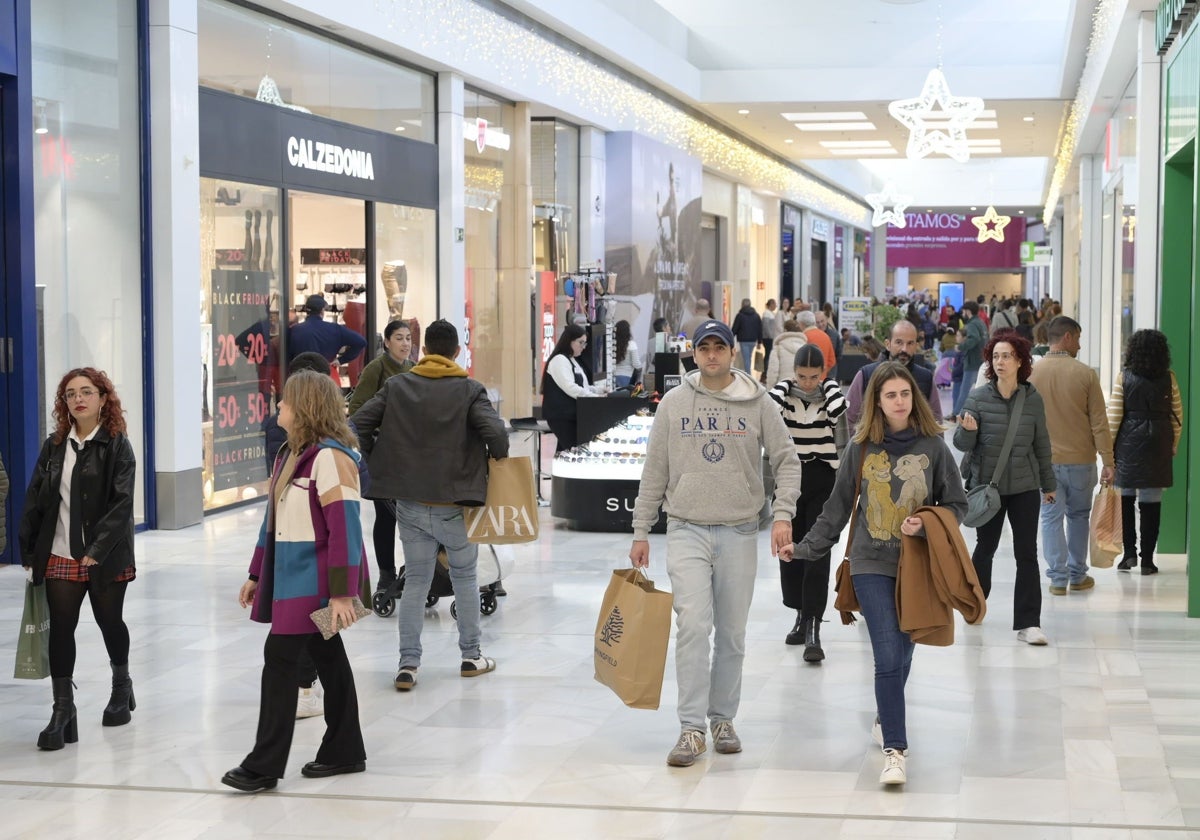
(812, 640)
(62, 727)
(121, 703)
(1151, 516)
(796, 636)
(1128, 533)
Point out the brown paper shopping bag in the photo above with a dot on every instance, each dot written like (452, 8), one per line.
(1106, 539)
(631, 638)
(510, 513)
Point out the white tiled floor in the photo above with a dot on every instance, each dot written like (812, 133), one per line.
(1095, 737)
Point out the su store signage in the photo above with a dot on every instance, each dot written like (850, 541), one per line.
(948, 241)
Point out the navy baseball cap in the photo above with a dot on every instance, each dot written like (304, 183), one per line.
(713, 328)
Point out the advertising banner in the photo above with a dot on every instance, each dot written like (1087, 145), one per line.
(241, 337)
(854, 313)
(652, 232)
(949, 241)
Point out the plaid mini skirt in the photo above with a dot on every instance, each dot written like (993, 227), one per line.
(64, 568)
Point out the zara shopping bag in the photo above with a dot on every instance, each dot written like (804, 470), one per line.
(510, 513)
(631, 638)
(33, 644)
(1107, 537)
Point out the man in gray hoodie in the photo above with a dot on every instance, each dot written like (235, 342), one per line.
(703, 465)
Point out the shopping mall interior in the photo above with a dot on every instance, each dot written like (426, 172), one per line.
(181, 178)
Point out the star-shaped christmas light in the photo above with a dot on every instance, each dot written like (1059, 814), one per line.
(881, 201)
(937, 122)
(991, 225)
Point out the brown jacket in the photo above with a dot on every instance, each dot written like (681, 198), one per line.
(935, 577)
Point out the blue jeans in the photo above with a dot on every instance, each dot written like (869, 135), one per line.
(1066, 556)
(621, 381)
(968, 384)
(747, 348)
(893, 651)
(422, 529)
(712, 569)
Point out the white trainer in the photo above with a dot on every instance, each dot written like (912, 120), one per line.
(311, 702)
(1032, 636)
(893, 768)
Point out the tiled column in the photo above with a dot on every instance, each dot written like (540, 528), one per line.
(452, 255)
(1149, 175)
(175, 193)
(592, 200)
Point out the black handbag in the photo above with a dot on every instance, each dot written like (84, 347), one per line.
(983, 500)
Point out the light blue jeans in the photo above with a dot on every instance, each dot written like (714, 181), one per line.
(747, 348)
(1067, 555)
(712, 569)
(422, 529)
(892, 650)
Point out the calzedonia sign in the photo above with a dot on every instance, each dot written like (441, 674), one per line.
(326, 157)
(245, 140)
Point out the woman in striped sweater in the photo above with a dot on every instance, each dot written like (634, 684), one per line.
(811, 405)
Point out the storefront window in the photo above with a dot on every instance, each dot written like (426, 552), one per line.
(86, 182)
(406, 260)
(240, 311)
(279, 62)
(489, 161)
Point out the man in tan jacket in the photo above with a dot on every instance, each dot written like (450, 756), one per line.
(1077, 420)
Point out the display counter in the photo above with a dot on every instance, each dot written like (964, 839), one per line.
(595, 485)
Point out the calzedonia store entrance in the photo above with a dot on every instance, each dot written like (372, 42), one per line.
(298, 210)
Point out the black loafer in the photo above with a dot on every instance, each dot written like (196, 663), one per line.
(317, 770)
(244, 780)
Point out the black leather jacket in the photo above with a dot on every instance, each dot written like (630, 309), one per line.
(428, 440)
(105, 471)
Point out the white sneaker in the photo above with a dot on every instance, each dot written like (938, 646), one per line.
(893, 768)
(1032, 636)
(311, 702)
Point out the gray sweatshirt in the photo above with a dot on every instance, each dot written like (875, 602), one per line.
(704, 459)
(904, 473)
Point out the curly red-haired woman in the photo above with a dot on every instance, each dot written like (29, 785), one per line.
(76, 534)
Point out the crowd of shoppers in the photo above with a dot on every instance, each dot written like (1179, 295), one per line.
(1034, 432)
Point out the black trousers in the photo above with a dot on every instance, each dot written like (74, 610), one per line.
(343, 741)
(384, 537)
(565, 434)
(767, 344)
(1024, 511)
(805, 583)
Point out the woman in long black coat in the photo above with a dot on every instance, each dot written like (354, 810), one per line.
(1145, 414)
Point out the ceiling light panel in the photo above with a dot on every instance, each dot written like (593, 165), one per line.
(857, 144)
(861, 152)
(836, 126)
(824, 116)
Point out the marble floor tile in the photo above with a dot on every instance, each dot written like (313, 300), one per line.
(1096, 736)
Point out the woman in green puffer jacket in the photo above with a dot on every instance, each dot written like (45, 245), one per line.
(982, 426)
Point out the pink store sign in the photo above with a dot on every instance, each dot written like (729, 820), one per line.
(949, 241)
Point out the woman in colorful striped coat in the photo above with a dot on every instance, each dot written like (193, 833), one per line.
(309, 555)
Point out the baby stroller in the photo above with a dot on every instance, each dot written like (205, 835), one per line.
(490, 572)
(942, 374)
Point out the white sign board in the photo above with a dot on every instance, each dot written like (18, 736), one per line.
(851, 312)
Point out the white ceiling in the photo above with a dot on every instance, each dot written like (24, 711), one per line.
(771, 57)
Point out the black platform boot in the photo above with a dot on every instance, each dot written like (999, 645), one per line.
(121, 703)
(812, 640)
(1128, 533)
(796, 636)
(1151, 516)
(63, 727)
